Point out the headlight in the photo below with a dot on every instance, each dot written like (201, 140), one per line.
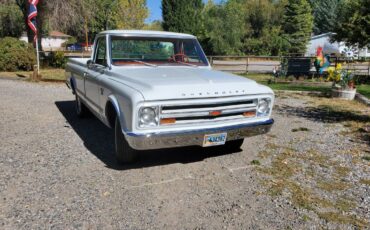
(263, 107)
(148, 117)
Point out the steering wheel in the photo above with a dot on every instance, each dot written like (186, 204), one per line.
(181, 56)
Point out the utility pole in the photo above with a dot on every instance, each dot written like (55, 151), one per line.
(86, 34)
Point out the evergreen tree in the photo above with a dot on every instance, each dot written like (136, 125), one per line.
(11, 19)
(225, 28)
(263, 22)
(297, 25)
(325, 13)
(183, 16)
(353, 23)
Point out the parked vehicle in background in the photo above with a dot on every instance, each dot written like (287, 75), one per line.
(86, 46)
(74, 47)
(157, 90)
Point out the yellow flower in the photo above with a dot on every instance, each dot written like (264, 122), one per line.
(339, 66)
(331, 70)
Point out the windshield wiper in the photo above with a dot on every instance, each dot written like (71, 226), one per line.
(145, 63)
(185, 63)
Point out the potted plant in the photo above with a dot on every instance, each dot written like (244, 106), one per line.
(343, 83)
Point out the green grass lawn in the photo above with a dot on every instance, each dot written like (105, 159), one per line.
(307, 85)
(297, 87)
(364, 90)
(47, 74)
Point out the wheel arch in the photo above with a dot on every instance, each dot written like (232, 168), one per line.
(112, 109)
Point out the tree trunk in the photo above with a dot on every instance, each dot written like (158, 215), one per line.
(41, 8)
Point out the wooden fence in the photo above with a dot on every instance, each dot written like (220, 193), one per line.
(260, 64)
(267, 64)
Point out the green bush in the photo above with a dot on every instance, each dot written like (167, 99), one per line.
(16, 55)
(70, 41)
(58, 60)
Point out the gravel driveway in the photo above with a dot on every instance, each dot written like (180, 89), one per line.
(59, 172)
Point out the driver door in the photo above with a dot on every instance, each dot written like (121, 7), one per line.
(93, 74)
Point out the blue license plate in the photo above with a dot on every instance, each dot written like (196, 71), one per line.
(214, 139)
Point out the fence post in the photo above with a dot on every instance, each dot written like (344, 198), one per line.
(247, 65)
(211, 60)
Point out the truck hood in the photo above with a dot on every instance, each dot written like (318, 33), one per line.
(163, 83)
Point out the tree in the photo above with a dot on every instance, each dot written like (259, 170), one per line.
(155, 25)
(68, 16)
(325, 14)
(224, 28)
(130, 14)
(297, 25)
(263, 22)
(183, 16)
(75, 17)
(12, 20)
(258, 15)
(353, 23)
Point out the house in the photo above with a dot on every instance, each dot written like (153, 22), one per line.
(334, 48)
(52, 42)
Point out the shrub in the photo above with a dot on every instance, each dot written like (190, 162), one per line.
(58, 60)
(16, 55)
(70, 41)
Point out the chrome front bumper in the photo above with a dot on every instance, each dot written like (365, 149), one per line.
(195, 137)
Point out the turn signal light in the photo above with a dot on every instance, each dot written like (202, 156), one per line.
(215, 113)
(165, 121)
(249, 114)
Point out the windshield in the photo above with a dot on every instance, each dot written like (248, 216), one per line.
(156, 51)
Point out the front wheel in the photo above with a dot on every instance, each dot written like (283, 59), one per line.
(124, 153)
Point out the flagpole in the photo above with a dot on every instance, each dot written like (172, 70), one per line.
(37, 55)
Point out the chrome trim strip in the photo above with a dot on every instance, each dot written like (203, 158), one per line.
(195, 137)
(201, 114)
(225, 128)
(230, 107)
(217, 100)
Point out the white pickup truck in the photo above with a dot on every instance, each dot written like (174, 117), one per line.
(158, 90)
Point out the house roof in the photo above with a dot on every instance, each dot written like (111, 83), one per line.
(58, 34)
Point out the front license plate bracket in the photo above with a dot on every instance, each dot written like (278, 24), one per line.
(214, 139)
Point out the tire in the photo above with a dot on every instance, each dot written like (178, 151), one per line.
(234, 145)
(124, 153)
(81, 109)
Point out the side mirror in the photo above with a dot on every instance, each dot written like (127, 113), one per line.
(89, 64)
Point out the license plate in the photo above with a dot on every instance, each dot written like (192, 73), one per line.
(214, 139)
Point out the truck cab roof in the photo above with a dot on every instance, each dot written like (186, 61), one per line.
(147, 33)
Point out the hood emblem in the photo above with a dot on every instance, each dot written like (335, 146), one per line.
(215, 113)
(215, 93)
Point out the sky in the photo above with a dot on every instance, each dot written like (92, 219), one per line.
(155, 11)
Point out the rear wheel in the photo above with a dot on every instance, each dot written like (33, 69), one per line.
(234, 145)
(81, 108)
(124, 153)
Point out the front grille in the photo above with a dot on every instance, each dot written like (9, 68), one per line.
(208, 112)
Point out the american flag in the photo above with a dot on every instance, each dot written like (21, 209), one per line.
(32, 13)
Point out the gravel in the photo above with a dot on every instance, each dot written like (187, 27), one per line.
(59, 172)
